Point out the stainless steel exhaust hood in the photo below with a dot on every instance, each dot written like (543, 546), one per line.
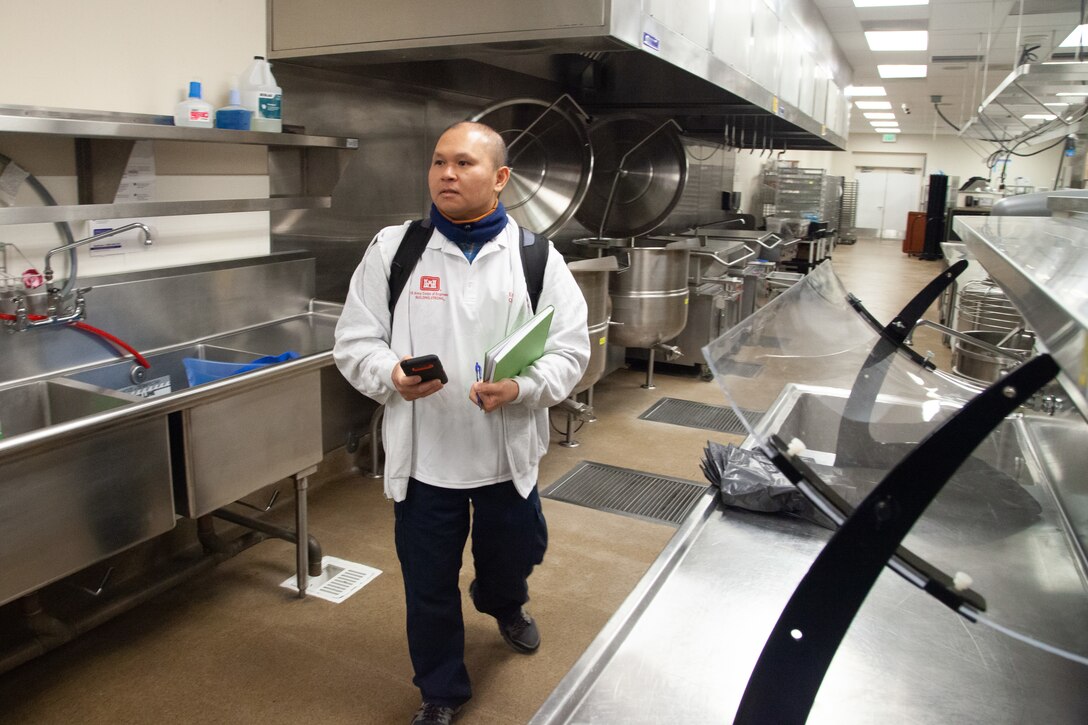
(744, 80)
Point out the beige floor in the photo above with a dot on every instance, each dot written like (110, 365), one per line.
(233, 647)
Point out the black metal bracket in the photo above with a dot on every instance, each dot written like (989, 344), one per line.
(870, 378)
(817, 616)
(897, 331)
(912, 567)
(908, 317)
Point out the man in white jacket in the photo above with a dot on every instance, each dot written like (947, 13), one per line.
(464, 443)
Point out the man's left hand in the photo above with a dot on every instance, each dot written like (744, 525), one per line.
(493, 395)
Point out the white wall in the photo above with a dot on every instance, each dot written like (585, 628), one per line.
(136, 57)
(947, 154)
(954, 157)
(124, 55)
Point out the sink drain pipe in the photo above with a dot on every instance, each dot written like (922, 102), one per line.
(48, 632)
(278, 532)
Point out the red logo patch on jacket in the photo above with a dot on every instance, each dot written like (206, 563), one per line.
(430, 284)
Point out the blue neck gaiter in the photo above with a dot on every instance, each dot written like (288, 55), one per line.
(470, 236)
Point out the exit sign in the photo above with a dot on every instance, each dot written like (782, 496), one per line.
(889, 138)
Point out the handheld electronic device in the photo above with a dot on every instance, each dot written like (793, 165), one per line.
(427, 367)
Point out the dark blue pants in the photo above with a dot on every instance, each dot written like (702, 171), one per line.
(509, 538)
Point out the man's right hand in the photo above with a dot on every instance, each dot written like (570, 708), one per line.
(410, 387)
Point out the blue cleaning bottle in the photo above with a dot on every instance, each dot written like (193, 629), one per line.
(234, 115)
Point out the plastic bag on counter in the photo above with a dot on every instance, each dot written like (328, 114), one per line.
(748, 480)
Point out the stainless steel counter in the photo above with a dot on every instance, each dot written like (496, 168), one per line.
(88, 461)
(1042, 265)
(682, 646)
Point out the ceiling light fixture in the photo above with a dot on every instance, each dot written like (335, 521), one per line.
(873, 105)
(887, 3)
(854, 91)
(878, 116)
(1077, 38)
(1039, 116)
(902, 71)
(883, 124)
(1073, 93)
(882, 40)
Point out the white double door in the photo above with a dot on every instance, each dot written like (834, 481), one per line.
(884, 198)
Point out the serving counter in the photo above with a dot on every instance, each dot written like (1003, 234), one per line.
(683, 646)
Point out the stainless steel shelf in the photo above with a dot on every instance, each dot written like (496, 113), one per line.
(112, 134)
(80, 212)
(1042, 265)
(1027, 90)
(84, 124)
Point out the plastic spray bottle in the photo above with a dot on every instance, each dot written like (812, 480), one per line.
(193, 111)
(261, 95)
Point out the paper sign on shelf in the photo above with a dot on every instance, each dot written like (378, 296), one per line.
(138, 181)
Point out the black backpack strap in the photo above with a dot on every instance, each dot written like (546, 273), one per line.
(404, 261)
(534, 260)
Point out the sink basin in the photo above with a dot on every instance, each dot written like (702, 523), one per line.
(66, 507)
(166, 374)
(306, 335)
(814, 415)
(345, 410)
(36, 405)
(997, 500)
(1059, 445)
(226, 448)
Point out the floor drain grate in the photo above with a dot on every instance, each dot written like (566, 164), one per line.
(720, 418)
(633, 493)
(338, 580)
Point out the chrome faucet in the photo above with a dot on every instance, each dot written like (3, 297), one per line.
(48, 271)
(57, 312)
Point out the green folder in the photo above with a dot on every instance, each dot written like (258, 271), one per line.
(520, 349)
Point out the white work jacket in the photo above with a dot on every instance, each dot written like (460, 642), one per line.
(457, 313)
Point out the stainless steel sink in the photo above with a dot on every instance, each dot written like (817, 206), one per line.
(813, 415)
(345, 410)
(167, 371)
(998, 505)
(306, 335)
(1059, 449)
(27, 408)
(226, 447)
(65, 507)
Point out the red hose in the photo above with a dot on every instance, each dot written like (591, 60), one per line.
(115, 340)
(94, 330)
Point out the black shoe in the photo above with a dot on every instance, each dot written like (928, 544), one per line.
(521, 633)
(432, 714)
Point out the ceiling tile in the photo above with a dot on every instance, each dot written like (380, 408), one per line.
(964, 15)
(841, 19)
(957, 27)
(902, 12)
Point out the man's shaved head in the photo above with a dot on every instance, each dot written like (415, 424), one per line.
(496, 147)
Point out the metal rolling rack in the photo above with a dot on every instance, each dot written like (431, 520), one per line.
(848, 212)
(806, 194)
